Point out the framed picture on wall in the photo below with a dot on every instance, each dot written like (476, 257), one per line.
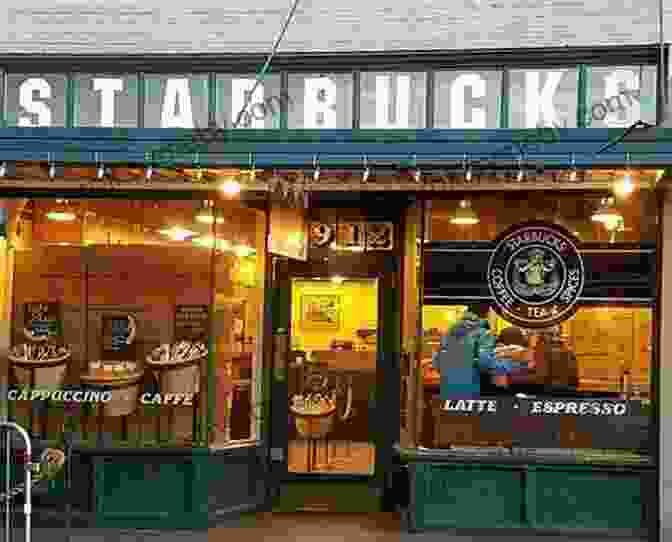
(321, 312)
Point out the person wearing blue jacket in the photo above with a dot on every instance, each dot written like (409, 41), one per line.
(467, 352)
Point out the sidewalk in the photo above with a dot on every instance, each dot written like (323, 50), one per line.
(311, 527)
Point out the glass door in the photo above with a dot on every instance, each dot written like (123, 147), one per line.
(333, 351)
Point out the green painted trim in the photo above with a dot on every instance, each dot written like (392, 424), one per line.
(530, 497)
(583, 91)
(504, 100)
(210, 393)
(70, 109)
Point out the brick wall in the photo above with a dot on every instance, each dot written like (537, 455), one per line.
(45, 26)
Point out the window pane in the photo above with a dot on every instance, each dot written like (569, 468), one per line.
(467, 99)
(620, 96)
(176, 101)
(601, 353)
(35, 100)
(106, 101)
(264, 108)
(544, 97)
(320, 101)
(393, 100)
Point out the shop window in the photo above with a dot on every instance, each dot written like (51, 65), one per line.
(35, 100)
(321, 101)
(106, 101)
(634, 216)
(263, 108)
(543, 98)
(618, 97)
(176, 101)
(467, 99)
(600, 353)
(132, 305)
(393, 100)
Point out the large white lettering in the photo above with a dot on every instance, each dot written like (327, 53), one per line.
(457, 99)
(240, 90)
(41, 109)
(107, 88)
(319, 104)
(614, 85)
(539, 105)
(384, 95)
(177, 96)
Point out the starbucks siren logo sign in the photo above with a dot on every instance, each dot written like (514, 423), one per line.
(535, 275)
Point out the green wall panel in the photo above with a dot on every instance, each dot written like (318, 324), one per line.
(591, 500)
(555, 497)
(457, 496)
(151, 492)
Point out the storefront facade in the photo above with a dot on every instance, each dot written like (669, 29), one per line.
(371, 199)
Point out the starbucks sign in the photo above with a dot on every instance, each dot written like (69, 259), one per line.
(535, 275)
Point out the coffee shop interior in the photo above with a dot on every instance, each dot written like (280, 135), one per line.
(122, 289)
(603, 351)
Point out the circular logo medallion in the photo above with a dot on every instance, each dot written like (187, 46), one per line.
(535, 275)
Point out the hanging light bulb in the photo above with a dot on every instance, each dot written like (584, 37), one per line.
(465, 215)
(417, 175)
(3, 169)
(230, 187)
(572, 170)
(148, 173)
(468, 174)
(52, 171)
(366, 175)
(521, 173)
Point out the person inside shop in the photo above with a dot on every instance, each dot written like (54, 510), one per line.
(514, 354)
(467, 351)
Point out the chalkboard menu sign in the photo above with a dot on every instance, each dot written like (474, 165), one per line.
(116, 333)
(42, 319)
(192, 322)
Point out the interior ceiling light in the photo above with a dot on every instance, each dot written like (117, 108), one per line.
(607, 214)
(3, 169)
(337, 279)
(417, 175)
(148, 173)
(465, 215)
(177, 233)
(52, 171)
(230, 187)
